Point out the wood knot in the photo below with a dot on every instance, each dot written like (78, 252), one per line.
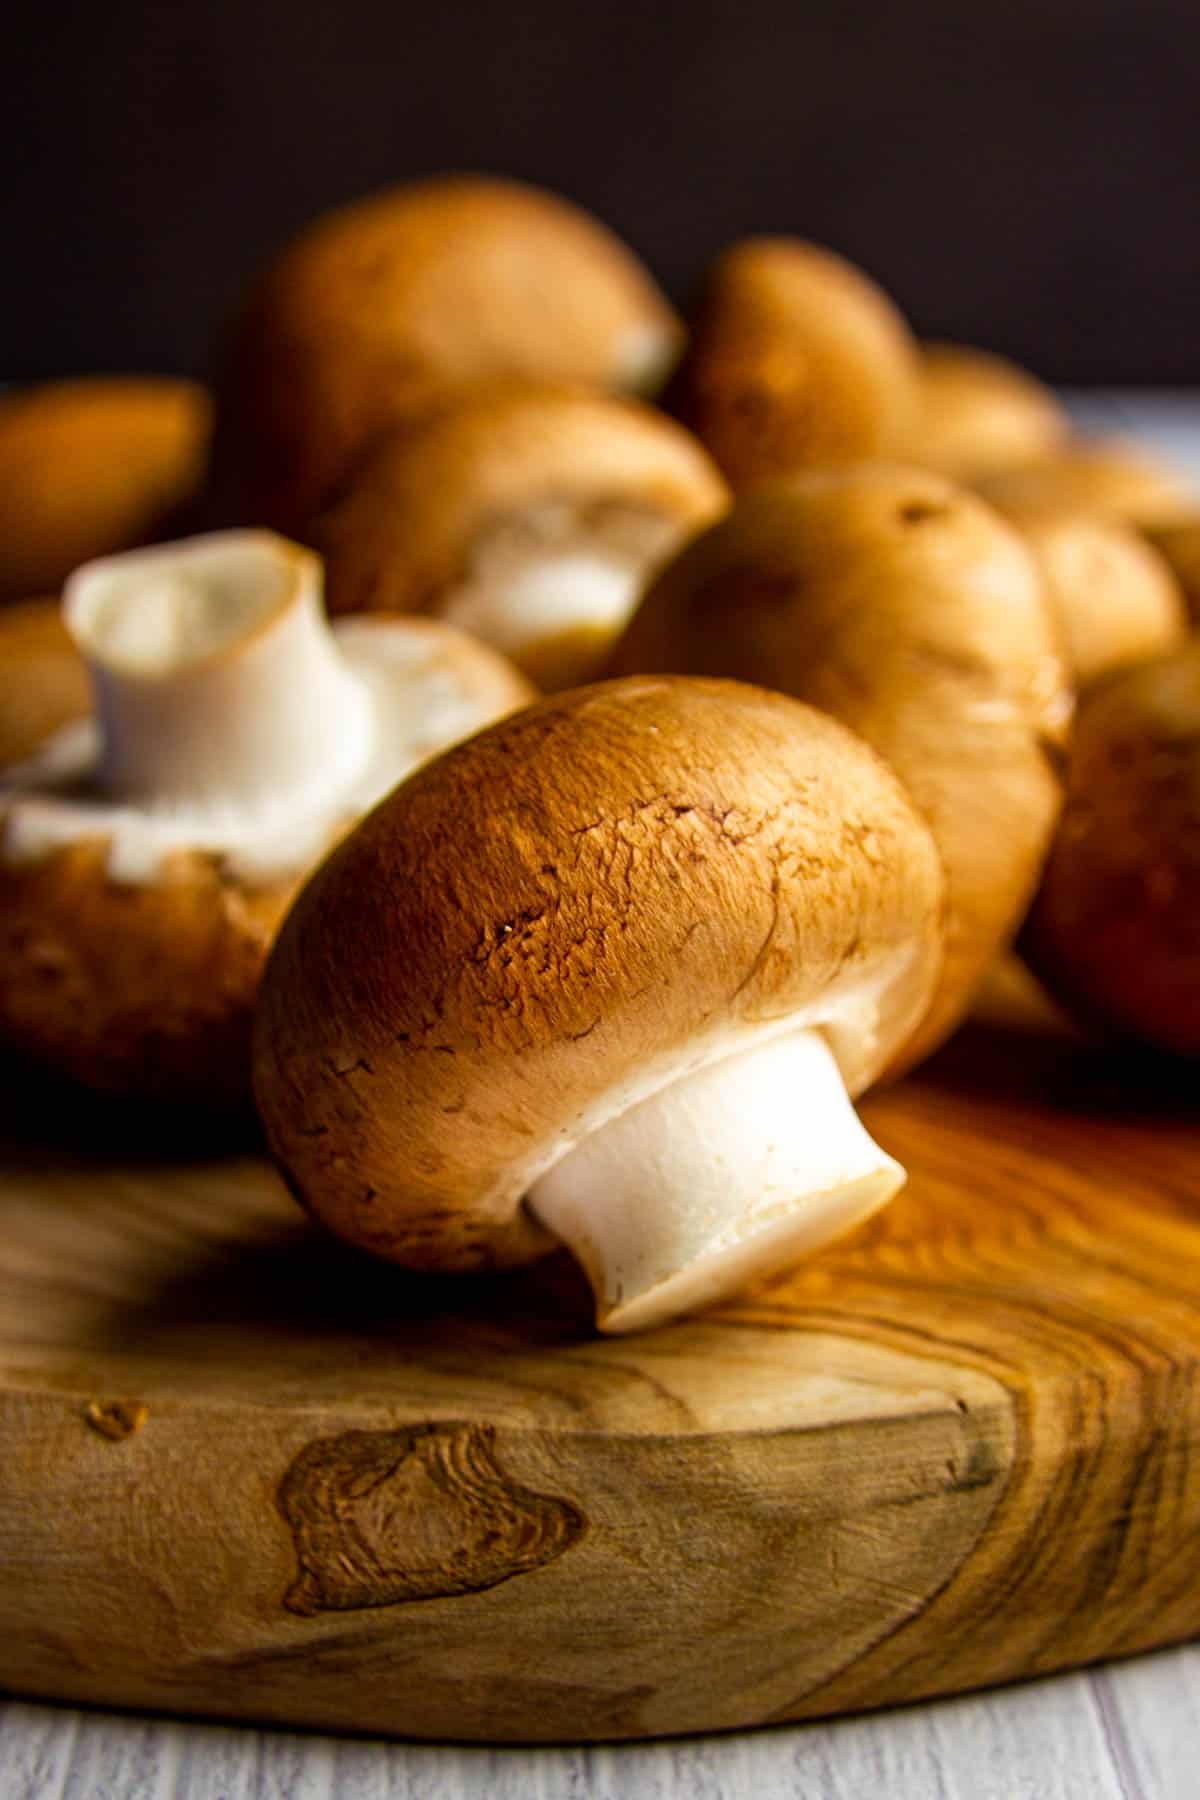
(116, 1419)
(421, 1513)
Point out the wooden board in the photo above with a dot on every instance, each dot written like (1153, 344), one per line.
(248, 1473)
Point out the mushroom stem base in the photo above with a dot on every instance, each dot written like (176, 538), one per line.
(724, 1176)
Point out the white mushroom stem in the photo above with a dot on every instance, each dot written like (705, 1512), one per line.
(218, 683)
(725, 1175)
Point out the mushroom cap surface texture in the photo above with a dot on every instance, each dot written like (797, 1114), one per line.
(505, 473)
(905, 607)
(1103, 475)
(93, 466)
(377, 312)
(796, 358)
(562, 916)
(1114, 597)
(1178, 543)
(979, 413)
(43, 678)
(1115, 930)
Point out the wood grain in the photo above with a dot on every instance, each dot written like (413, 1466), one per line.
(959, 1448)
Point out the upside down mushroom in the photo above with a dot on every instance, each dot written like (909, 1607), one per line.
(606, 975)
(529, 515)
(903, 606)
(148, 854)
(379, 312)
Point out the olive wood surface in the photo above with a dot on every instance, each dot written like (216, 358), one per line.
(248, 1473)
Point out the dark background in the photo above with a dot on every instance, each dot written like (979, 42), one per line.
(1025, 175)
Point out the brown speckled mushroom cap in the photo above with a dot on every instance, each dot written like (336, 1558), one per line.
(90, 467)
(1115, 930)
(529, 514)
(148, 852)
(1114, 597)
(796, 358)
(1103, 475)
(978, 413)
(43, 678)
(567, 914)
(903, 606)
(377, 312)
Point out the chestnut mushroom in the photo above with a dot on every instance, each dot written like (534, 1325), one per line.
(378, 312)
(148, 853)
(91, 467)
(1101, 475)
(905, 607)
(43, 679)
(606, 975)
(531, 516)
(978, 413)
(1177, 541)
(796, 358)
(1114, 597)
(1115, 931)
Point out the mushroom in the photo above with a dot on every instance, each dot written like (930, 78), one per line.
(378, 312)
(1115, 930)
(1100, 475)
(1114, 597)
(43, 679)
(906, 608)
(796, 358)
(606, 975)
(1177, 541)
(530, 516)
(979, 413)
(91, 467)
(148, 854)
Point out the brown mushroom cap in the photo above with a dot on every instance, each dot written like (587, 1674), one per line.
(1177, 541)
(563, 915)
(90, 467)
(1115, 930)
(43, 679)
(505, 477)
(906, 608)
(1115, 598)
(978, 413)
(1102, 475)
(378, 312)
(796, 358)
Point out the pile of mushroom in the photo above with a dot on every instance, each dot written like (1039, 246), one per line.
(148, 853)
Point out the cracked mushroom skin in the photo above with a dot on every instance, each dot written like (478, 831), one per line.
(43, 678)
(978, 413)
(148, 852)
(91, 467)
(606, 975)
(1115, 931)
(1099, 475)
(530, 516)
(795, 359)
(903, 606)
(1114, 597)
(378, 312)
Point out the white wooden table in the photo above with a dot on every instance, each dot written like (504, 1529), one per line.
(1128, 1731)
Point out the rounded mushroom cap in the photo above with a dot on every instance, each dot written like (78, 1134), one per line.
(377, 312)
(559, 918)
(43, 679)
(1114, 598)
(1102, 475)
(1177, 541)
(1115, 930)
(91, 467)
(978, 413)
(796, 358)
(906, 608)
(448, 518)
